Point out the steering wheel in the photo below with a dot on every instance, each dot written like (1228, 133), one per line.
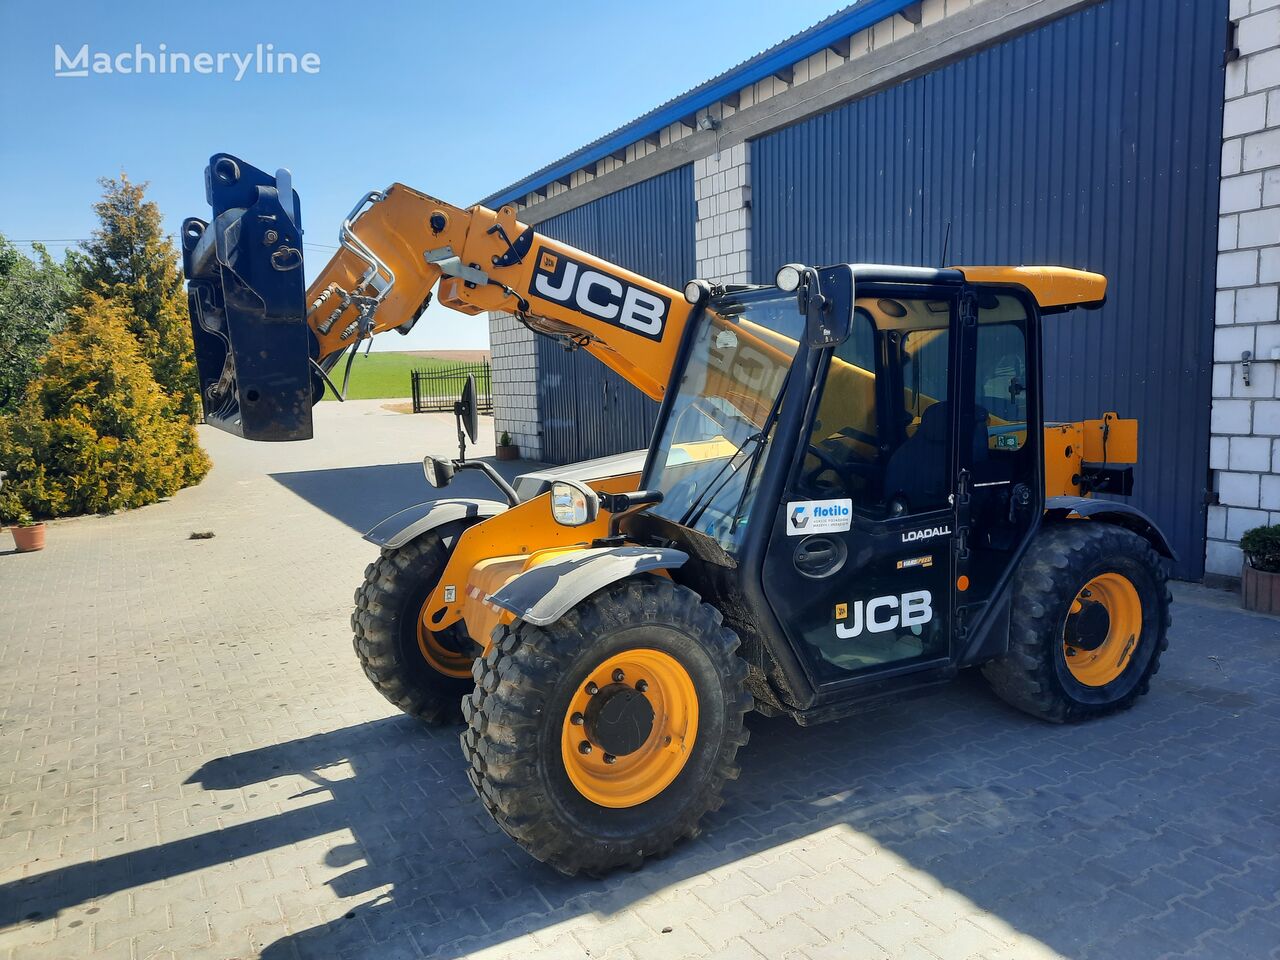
(825, 463)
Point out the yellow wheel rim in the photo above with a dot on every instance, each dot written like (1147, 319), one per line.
(1111, 652)
(626, 779)
(439, 657)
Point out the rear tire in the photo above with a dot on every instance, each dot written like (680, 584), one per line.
(385, 624)
(1071, 571)
(524, 716)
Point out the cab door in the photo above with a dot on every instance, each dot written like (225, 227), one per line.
(860, 565)
(1000, 482)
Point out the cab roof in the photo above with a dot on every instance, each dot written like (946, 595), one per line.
(1055, 288)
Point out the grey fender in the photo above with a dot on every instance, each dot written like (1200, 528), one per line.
(399, 528)
(1121, 514)
(547, 592)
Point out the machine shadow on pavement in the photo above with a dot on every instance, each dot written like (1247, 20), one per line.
(360, 497)
(1135, 840)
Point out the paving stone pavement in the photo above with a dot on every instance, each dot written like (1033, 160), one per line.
(193, 766)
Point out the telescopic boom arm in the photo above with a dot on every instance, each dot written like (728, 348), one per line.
(265, 346)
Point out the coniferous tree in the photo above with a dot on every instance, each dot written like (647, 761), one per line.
(130, 257)
(94, 432)
(34, 297)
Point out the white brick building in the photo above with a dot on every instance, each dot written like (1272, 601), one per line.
(1244, 451)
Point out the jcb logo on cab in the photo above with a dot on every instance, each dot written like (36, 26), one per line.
(881, 614)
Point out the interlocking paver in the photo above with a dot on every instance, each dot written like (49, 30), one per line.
(194, 767)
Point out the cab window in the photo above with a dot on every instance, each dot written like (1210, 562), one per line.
(1000, 381)
(881, 436)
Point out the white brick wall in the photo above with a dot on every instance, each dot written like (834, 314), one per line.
(515, 383)
(1244, 451)
(722, 188)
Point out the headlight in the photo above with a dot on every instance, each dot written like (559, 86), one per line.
(788, 277)
(573, 503)
(438, 472)
(695, 291)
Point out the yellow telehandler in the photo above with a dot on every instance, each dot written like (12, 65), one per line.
(850, 495)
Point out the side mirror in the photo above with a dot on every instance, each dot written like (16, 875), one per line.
(467, 412)
(825, 325)
(438, 472)
(573, 504)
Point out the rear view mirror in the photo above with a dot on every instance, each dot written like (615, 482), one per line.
(826, 325)
(438, 472)
(467, 412)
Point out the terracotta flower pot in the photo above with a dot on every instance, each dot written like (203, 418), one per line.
(28, 539)
(508, 451)
(1260, 590)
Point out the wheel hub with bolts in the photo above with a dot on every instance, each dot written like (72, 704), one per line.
(619, 719)
(1087, 630)
(630, 728)
(1101, 630)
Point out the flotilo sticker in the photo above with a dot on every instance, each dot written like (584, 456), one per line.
(818, 516)
(594, 293)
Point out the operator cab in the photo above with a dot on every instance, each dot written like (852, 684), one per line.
(826, 467)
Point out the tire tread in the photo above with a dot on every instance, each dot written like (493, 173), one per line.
(374, 625)
(1058, 563)
(502, 716)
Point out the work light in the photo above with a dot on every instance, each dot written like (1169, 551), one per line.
(573, 503)
(788, 277)
(695, 291)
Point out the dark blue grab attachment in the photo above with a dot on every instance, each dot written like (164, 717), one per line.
(247, 297)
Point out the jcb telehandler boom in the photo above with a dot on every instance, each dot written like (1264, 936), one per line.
(850, 494)
(265, 351)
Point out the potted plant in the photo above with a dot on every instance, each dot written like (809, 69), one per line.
(1260, 579)
(506, 449)
(28, 534)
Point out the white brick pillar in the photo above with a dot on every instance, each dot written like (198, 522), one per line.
(1244, 448)
(722, 187)
(515, 384)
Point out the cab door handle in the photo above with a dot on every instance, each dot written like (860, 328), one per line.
(820, 556)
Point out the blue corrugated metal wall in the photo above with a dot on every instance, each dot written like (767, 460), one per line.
(586, 409)
(1091, 142)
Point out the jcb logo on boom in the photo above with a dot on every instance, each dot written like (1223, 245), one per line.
(598, 294)
(881, 614)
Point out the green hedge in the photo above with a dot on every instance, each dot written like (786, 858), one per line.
(94, 432)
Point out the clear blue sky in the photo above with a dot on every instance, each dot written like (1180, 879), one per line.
(458, 99)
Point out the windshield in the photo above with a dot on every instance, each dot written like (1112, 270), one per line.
(716, 438)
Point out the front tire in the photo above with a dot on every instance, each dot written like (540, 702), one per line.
(1090, 621)
(604, 738)
(424, 674)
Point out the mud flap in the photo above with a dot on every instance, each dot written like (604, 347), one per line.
(545, 593)
(247, 297)
(399, 528)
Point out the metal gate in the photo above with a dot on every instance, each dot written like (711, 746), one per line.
(435, 389)
(586, 410)
(1091, 142)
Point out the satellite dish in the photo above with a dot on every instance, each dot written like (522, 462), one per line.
(468, 414)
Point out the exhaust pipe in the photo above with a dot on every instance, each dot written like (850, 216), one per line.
(246, 294)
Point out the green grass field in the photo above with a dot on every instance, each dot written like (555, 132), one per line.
(383, 375)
